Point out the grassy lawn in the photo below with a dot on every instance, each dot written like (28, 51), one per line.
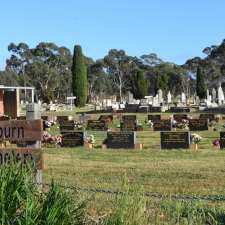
(194, 172)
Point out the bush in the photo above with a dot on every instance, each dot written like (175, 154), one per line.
(22, 202)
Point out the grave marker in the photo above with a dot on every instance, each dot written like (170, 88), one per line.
(174, 140)
(198, 124)
(72, 139)
(154, 117)
(123, 139)
(162, 125)
(99, 125)
(222, 140)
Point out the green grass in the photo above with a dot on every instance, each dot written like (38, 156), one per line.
(180, 171)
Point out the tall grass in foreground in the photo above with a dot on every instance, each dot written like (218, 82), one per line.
(22, 202)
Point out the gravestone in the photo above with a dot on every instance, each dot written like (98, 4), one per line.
(160, 96)
(222, 140)
(207, 116)
(162, 125)
(106, 118)
(180, 117)
(99, 125)
(155, 109)
(174, 140)
(154, 117)
(183, 98)
(67, 125)
(131, 108)
(60, 119)
(169, 98)
(123, 139)
(214, 95)
(128, 123)
(198, 124)
(179, 109)
(220, 95)
(72, 138)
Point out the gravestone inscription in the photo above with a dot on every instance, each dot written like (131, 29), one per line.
(207, 116)
(174, 140)
(162, 125)
(198, 124)
(180, 117)
(72, 139)
(154, 117)
(99, 125)
(123, 139)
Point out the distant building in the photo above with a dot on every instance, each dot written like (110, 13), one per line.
(10, 100)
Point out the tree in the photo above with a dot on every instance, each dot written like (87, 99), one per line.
(46, 67)
(139, 85)
(79, 77)
(119, 66)
(201, 89)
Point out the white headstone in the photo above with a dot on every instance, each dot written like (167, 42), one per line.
(169, 97)
(214, 95)
(160, 96)
(183, 98)
(220, 95)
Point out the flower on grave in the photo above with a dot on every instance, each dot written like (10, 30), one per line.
(150, 124)
(212, 123)
(216, 143)
(58, 139)
(90, 139)
(118, 126)
(217, 118)
(195, 138)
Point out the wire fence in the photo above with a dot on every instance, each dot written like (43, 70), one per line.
(184, 197)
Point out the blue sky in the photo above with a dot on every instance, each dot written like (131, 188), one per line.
(174, 29)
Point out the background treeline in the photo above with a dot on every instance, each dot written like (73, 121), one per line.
(47, 67)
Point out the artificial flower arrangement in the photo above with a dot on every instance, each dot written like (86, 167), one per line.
(216, 143)
(195, 139)
(90, 139)
(150, 124)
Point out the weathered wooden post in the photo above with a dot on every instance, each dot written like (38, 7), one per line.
(33, 112)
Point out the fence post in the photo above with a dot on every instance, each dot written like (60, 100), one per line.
(33, 112)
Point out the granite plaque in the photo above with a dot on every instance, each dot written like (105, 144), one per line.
(154, 117)
(72, 139)
(162, 125)
(175, 140)
(198, 124)
(180, 117)
(99, 125)
(123, 139)
(222, 140)
(207, 116)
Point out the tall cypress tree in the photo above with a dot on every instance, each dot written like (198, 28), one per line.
(79, 77)
(201, 89)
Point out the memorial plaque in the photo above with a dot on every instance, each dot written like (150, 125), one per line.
(162, 125)
(123, 139)
(154, 118)
(60, 119)
(67, 125)
(222, 140)
(131, 108)
(179, 109)
(99, 125)
(21, 130)
(24, 155)
(72, 139)
(180, 117)
(128, 123)
(198, 124)
(156, 109)
(106, 118)
(174, 140)
(207, 116)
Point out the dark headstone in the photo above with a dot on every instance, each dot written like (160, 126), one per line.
(68, 125)
(156, 109)
(143, 109)
(162, 125)
(207, 116)
(72, 139)
(99, 125)
(60, 119)
(131, 108)
(106, 118)
(175, 140)
(222, 140)
(128, 123)
(198, 124)
(180, 117)
(123, 139)
(154, 117)
(179, 109)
